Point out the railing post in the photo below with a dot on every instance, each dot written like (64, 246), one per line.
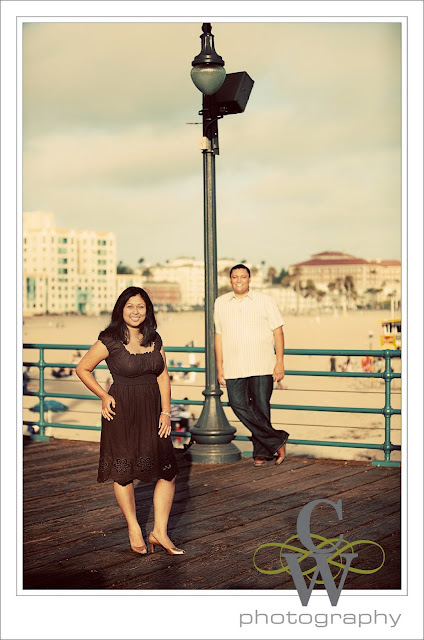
(41, 394)
(388, 411)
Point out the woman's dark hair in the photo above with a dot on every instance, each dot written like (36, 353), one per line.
(240, 266)
(117, 328)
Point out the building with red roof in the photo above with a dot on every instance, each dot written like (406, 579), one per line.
(332, 267)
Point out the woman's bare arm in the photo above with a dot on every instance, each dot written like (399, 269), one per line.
(165, 397)
(92, 358)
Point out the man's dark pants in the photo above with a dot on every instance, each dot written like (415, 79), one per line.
(249, 398)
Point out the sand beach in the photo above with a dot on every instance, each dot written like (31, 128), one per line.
(350, 330)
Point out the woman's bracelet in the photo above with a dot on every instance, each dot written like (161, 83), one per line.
(165, 413)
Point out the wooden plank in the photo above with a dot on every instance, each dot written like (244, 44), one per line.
(200, 481)
(146, 491)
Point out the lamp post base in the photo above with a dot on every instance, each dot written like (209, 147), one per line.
(213, 433)
(214, 453)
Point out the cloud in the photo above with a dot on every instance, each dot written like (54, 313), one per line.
(128, 158)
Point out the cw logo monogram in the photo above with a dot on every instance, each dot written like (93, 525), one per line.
(324, 554)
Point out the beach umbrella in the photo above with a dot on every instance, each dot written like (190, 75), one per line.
(50, 406)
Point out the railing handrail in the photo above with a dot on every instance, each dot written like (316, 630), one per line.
(395, 353)
(387, 375)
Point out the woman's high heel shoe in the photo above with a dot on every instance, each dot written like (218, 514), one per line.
(173, 551)
(140, 550)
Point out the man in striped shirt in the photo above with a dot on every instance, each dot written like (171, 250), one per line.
(249, 347)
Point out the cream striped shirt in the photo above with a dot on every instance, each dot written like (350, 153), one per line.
(246, 327)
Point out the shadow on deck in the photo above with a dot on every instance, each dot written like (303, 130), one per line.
(75, 536)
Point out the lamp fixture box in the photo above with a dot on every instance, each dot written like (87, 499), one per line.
(234, 94)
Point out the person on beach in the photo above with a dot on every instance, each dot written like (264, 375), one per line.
(249, 348)
(76, 357)
(136, 420)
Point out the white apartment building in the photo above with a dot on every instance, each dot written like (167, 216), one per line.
(70, 271)
(64, 270)
(188, 273)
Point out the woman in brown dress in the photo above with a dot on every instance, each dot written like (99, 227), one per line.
(136, 419)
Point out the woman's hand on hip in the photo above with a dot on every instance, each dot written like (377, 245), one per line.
(164, 426)
(107, 403)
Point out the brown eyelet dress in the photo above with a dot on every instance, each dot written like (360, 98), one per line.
(130, 446)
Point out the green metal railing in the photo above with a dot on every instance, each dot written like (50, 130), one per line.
(387, 411)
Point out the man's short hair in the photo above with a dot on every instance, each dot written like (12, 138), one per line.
(240, 266)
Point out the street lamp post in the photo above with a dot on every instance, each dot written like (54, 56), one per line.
(212, 434)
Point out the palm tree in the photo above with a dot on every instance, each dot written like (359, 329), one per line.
(320, 295)
(373, 293)
(349, 286)
(331, 287)
(283, 274)
(295, 281)
(123, 268)
(272, 272)
(310, 289)
(339, 285)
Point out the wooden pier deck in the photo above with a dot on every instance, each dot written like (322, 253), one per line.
(75, 536)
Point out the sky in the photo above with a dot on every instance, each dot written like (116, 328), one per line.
(313, 164)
